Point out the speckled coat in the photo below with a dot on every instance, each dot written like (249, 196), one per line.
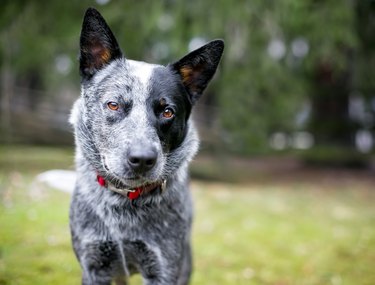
(133, 130)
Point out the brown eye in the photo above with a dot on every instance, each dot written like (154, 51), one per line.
(113, 106)
(168, 113)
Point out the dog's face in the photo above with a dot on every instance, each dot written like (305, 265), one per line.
(133, 118)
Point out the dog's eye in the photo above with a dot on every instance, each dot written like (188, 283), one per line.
(168, 113)
(113, 106)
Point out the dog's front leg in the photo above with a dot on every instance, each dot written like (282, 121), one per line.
(92, 278)
(174, 272)
(186, 267)
(160, 281)
(158, 264)
(100, 263)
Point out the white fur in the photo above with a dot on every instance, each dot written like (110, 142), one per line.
(74, 114)
(142, 71)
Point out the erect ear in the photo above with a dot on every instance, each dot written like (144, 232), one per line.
(98, 46)
(198, 67)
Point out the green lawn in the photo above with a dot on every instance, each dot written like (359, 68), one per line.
(292, 232)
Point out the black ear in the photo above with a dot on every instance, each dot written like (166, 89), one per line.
(98, 46)
(198, 67)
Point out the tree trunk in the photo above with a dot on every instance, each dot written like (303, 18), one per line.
(330, 122)
(6, 92)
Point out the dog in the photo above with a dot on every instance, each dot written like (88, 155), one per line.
(131, 210)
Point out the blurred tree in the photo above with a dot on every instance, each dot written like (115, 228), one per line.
(329, 70)
(279, 55)
(364, 82)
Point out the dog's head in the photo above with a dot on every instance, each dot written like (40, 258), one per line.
(132, 120)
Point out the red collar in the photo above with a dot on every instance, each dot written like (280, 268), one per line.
(132, 194)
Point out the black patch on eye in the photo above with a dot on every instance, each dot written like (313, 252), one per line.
(167, 91)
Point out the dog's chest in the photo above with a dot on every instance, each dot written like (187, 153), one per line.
(135, 222)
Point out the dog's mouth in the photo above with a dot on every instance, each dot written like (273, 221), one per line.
(133, 192)
(133, 186)
(130, 183)
(141, 190)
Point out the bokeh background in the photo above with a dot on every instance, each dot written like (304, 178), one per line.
(284, 183)
(295, 75)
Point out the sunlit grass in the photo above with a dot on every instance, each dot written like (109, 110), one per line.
(292, 233)
(34, 241)
(280, 235)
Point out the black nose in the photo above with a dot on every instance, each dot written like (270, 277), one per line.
(142, 159)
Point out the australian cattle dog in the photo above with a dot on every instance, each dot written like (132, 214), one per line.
(131, 210)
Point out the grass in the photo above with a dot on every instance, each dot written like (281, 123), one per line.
(284, 235)
(283, 232)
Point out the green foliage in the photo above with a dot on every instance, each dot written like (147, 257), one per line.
(255, 94)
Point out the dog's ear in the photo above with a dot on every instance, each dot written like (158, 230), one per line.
(198, 67)
(98, 46)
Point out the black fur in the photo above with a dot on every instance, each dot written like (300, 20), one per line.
(96, 41)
